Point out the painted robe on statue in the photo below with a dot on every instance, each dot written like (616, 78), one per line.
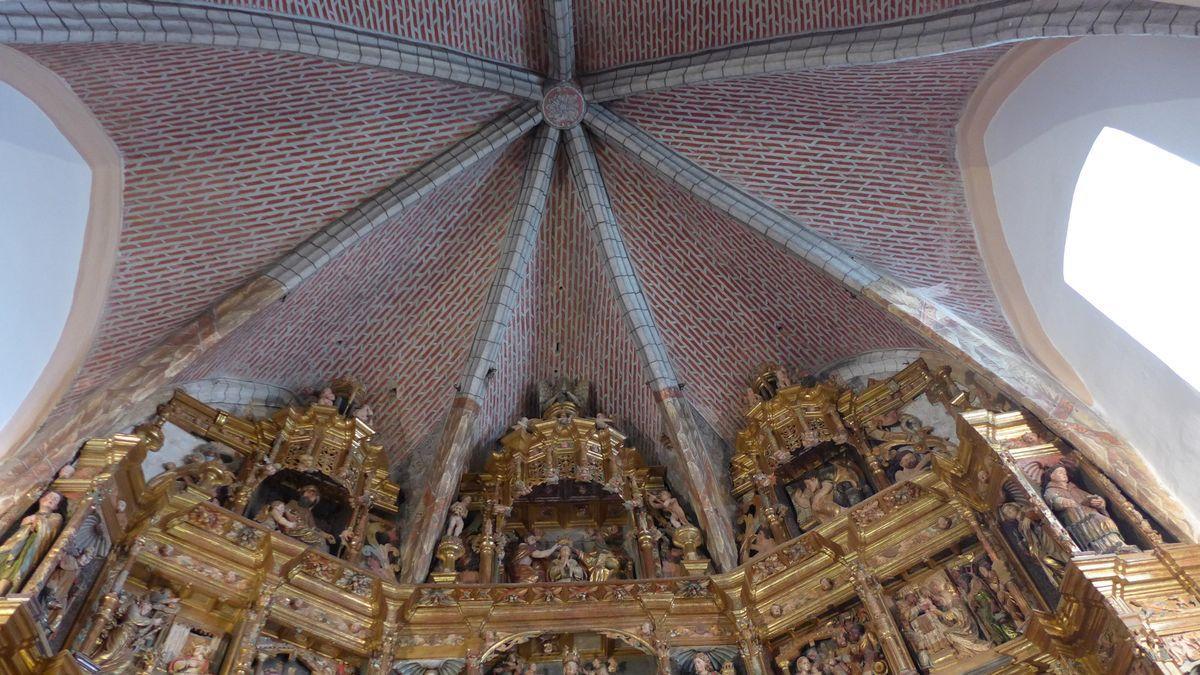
(21, 553)
(1090, 526)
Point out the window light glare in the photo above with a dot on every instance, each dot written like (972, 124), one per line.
(1133, 245)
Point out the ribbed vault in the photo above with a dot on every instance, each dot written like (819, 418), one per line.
(371, 191)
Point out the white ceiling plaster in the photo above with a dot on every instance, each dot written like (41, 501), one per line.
(45, 187)
(1036, 145)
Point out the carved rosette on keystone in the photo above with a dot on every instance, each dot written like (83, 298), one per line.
(563, 106)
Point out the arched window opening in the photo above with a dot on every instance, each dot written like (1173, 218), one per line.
(1132, 244)
(45, 187)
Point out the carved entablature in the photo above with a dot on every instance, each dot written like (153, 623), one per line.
(562, 446)
(802, 416)
(567, 499)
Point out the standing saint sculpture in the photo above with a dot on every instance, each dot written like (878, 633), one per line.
(22, 551)
(1083, 514)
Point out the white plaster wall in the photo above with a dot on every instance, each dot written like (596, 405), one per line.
(1036, 145)
(45, 186)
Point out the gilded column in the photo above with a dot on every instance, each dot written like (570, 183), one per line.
(645, 539)
(772, 510)
(253, 620)
(890, 639)
(487, 543)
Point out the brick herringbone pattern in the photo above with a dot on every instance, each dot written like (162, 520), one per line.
(863, 155)
(504, 30)
(727, 300)
(396, 313)
(234, 157)
(568, 324)
(617, 32)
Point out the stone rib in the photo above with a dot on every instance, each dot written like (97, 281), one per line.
(589, 185)
(763, 218)
(973, 27)
(196, 23)
(700, 475)
(561, 33)
(517, 251)
(458, 434)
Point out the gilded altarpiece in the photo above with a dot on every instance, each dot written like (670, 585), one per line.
(908, 524)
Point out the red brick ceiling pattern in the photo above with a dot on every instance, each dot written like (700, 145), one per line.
(609, 33)
(232, 158)
(613, 33)
(863, 155)
(727, 300)
(502, 30)
(397, 313)
(569, 324)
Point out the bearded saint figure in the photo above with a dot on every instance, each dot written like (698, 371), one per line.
(295, 518)
(25, 548)
(1084, 515)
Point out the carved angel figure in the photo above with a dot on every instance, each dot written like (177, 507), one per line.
(669, 505)
(458, 516)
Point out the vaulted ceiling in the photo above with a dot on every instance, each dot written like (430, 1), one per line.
(782, 176)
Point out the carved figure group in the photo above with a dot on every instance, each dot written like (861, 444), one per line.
(134, 629)
(666, 502)
(937, 624)
(295, 518)
(824, 493)
(850, 650)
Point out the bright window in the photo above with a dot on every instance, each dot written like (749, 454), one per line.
(44, 192)
(1133, 245)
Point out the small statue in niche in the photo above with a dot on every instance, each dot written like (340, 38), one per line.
(994, 614)
(667, 503)
(326, 397)
(295, 518)
(702, 664)
(88, 543)
(1083, 514)
(937, 623)
(458, 517)
(24, 549)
